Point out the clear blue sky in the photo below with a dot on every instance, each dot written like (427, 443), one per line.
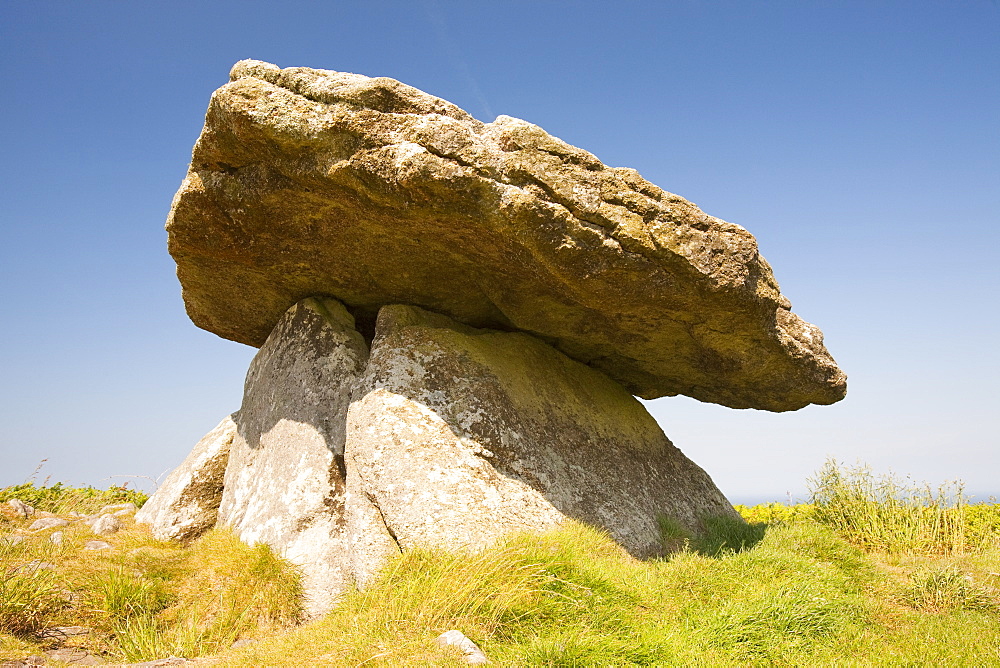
(859, 141)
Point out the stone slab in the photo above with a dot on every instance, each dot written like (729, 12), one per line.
(460, 436)
(285, 479)
(312, 182)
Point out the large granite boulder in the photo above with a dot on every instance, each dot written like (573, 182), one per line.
(311, 182)
(285, 479)
(445, 435)
(460, 436)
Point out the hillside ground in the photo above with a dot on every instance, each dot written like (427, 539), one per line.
(871, 572)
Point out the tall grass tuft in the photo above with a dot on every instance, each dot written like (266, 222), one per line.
(28, 599)
(893, 515)
(120, 595)
(30, 592)
(940, 589)
(229, 590)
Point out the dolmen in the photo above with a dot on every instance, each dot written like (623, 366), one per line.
(454, 320)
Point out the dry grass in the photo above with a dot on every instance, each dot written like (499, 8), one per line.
(145, 599)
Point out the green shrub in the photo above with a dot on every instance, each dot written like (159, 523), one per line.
(61, 498)
(776, 513)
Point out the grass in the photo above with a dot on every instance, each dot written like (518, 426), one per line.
(145, 599)
(800, 596)
(868, 572)
(29, 596)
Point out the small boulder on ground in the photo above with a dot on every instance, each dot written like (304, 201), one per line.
(106, 524)
(119, 509)
(97, 545)
(169, 661)
(471, 653)
(20, 507)
(34, 566)
(74, 655)
(47, 523)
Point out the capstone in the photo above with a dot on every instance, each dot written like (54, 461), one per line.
(312, 182)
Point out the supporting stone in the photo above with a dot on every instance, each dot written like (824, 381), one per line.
(285, 483)
(463, 435)
(187, 503)
(454, 438)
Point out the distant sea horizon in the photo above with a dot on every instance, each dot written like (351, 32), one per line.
(757, 499)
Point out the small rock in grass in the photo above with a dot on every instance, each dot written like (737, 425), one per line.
(20, 507)
(74, 655)
(97, 545)
(47, 523)
(56, 538)
(169, 661)
(470, 650)
(106, 525)
(34, 566)
(12, 539)
(120, 509)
